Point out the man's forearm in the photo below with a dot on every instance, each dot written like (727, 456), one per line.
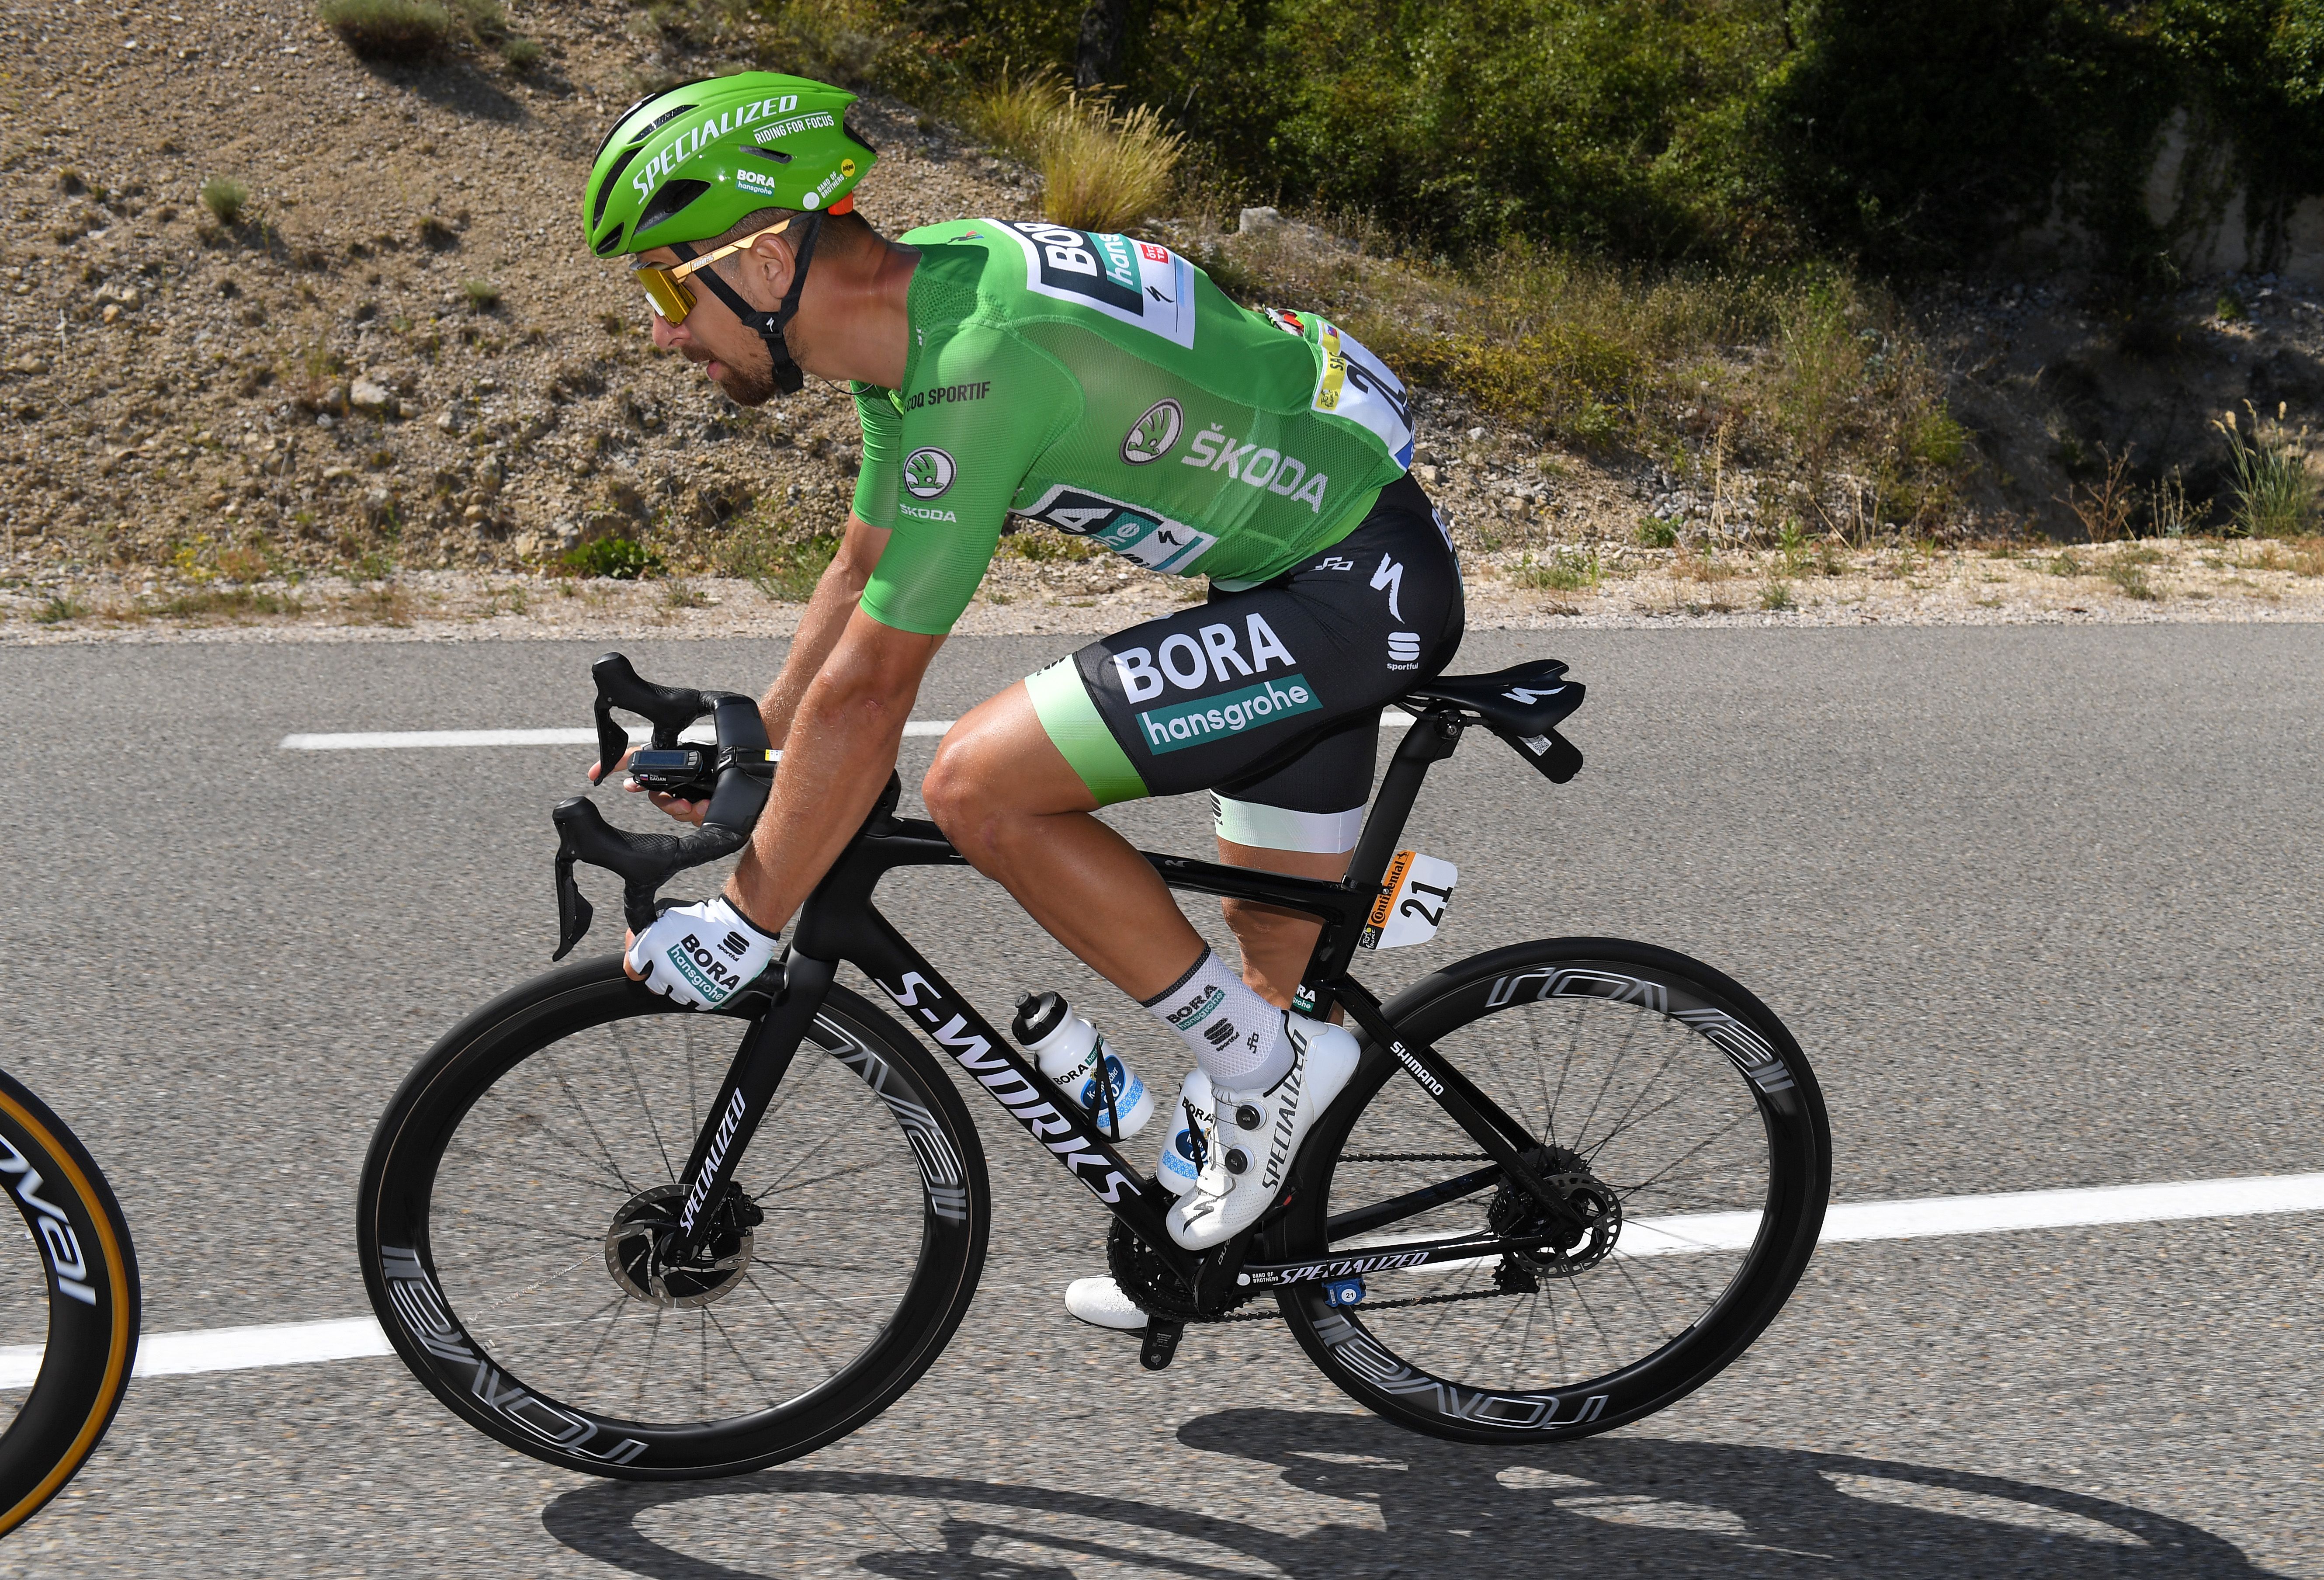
(837, 593)
(848, 725)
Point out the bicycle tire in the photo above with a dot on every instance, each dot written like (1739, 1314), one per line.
(474, 1171)
(89, 1283)
(1692, 1260)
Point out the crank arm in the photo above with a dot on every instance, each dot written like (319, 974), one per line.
(1469, 1105)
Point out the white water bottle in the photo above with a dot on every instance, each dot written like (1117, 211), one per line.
(1075, 1055)
(1182, 1144)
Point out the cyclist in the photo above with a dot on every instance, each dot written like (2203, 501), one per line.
(1107, 387)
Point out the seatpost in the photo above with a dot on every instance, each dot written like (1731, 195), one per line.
(1431, 739)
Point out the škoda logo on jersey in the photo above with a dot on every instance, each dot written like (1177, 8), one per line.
(927, 472)
(1151, 435)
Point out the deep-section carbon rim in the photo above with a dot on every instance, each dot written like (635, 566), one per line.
(503, 1201)
(1680, 1117)
(68, 1306)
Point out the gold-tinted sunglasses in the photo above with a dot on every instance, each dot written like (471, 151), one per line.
(665, 288)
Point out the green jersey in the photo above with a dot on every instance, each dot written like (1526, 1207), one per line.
(1105, 385)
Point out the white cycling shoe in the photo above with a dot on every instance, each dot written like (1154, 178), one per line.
(1100, 1303)
(1256, 1134)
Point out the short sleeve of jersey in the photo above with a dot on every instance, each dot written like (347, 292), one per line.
(978, 407)
(883, 422)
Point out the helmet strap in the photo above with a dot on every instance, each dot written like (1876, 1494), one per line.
(789, 375)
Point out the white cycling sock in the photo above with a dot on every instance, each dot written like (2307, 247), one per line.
(1236, 1036)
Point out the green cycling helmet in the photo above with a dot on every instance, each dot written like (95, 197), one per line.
(691, 162)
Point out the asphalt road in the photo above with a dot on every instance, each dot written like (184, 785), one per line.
(2041, 904)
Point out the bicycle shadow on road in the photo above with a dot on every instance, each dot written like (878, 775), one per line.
(1418, 1507)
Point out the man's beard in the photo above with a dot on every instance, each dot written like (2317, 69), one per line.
(748, 387)
(752, 386)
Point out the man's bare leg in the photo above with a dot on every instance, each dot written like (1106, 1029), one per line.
(1276, 942)
(1007, 798)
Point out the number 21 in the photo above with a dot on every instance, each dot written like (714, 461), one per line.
(1412, 907)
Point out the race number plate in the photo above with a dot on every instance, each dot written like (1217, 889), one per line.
(1419, 888)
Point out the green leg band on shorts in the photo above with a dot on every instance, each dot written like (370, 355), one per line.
(1074, 728)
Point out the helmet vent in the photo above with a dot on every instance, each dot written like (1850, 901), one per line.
(662, 120)
(847, 128)
(776, 154)
(605, 187)
(673, 197)
(610, 243)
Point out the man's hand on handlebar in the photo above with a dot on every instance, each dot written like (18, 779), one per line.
(684, 811)
(700, 954)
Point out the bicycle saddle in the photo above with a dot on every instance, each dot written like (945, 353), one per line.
(1527, 700)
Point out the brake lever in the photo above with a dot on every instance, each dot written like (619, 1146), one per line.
(574, 912)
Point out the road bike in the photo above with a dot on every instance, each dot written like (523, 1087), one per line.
(68, 1305)
(1569, 1182)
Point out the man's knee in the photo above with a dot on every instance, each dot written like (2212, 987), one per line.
(956, 789)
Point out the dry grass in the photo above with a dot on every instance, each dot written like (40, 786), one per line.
(2274, 492)
(1099, 169)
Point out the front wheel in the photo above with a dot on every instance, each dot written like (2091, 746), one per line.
(1667, 1106)
(510, 1193)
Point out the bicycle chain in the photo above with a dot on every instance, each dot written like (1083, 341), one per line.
(1414, 1158)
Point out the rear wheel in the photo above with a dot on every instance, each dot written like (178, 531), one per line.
(68, 1306)
(509, 1199)
(1669, 1108)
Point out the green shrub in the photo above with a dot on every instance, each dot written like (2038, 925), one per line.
(483, 296)
(226, 199)
(621, 558)
(396, 31)
(482, 20)
(1658, 532)
(765, 552)
(1566, 570)
(521, 54)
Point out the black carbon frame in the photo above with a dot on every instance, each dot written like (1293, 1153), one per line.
(840, 922)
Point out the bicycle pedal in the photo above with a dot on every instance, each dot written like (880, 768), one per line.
(1161, 1343)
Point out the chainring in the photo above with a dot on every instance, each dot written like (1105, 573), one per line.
(1149, 1283)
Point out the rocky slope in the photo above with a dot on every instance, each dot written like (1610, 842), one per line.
(398, 361)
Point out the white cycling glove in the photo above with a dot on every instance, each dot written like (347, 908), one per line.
(701, 955)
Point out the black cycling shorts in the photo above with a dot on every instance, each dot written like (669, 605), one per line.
(1271, 694)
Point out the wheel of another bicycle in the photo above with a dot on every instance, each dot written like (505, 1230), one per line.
(499, 1212)
(1670, 1108)
(68, 1306)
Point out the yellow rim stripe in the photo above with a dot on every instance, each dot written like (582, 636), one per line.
(117, 1364)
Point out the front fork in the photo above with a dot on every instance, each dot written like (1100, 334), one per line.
(759, 1066)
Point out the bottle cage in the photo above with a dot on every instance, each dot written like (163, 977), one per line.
(745, 770)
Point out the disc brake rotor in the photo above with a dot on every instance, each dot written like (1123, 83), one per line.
(1572, 1249)
(642, 1229)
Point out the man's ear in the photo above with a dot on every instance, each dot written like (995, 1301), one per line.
(769, 260)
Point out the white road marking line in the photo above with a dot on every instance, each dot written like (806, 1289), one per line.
(1394, 718)
(226, 1349)
(291, 1344)
(396, 740)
